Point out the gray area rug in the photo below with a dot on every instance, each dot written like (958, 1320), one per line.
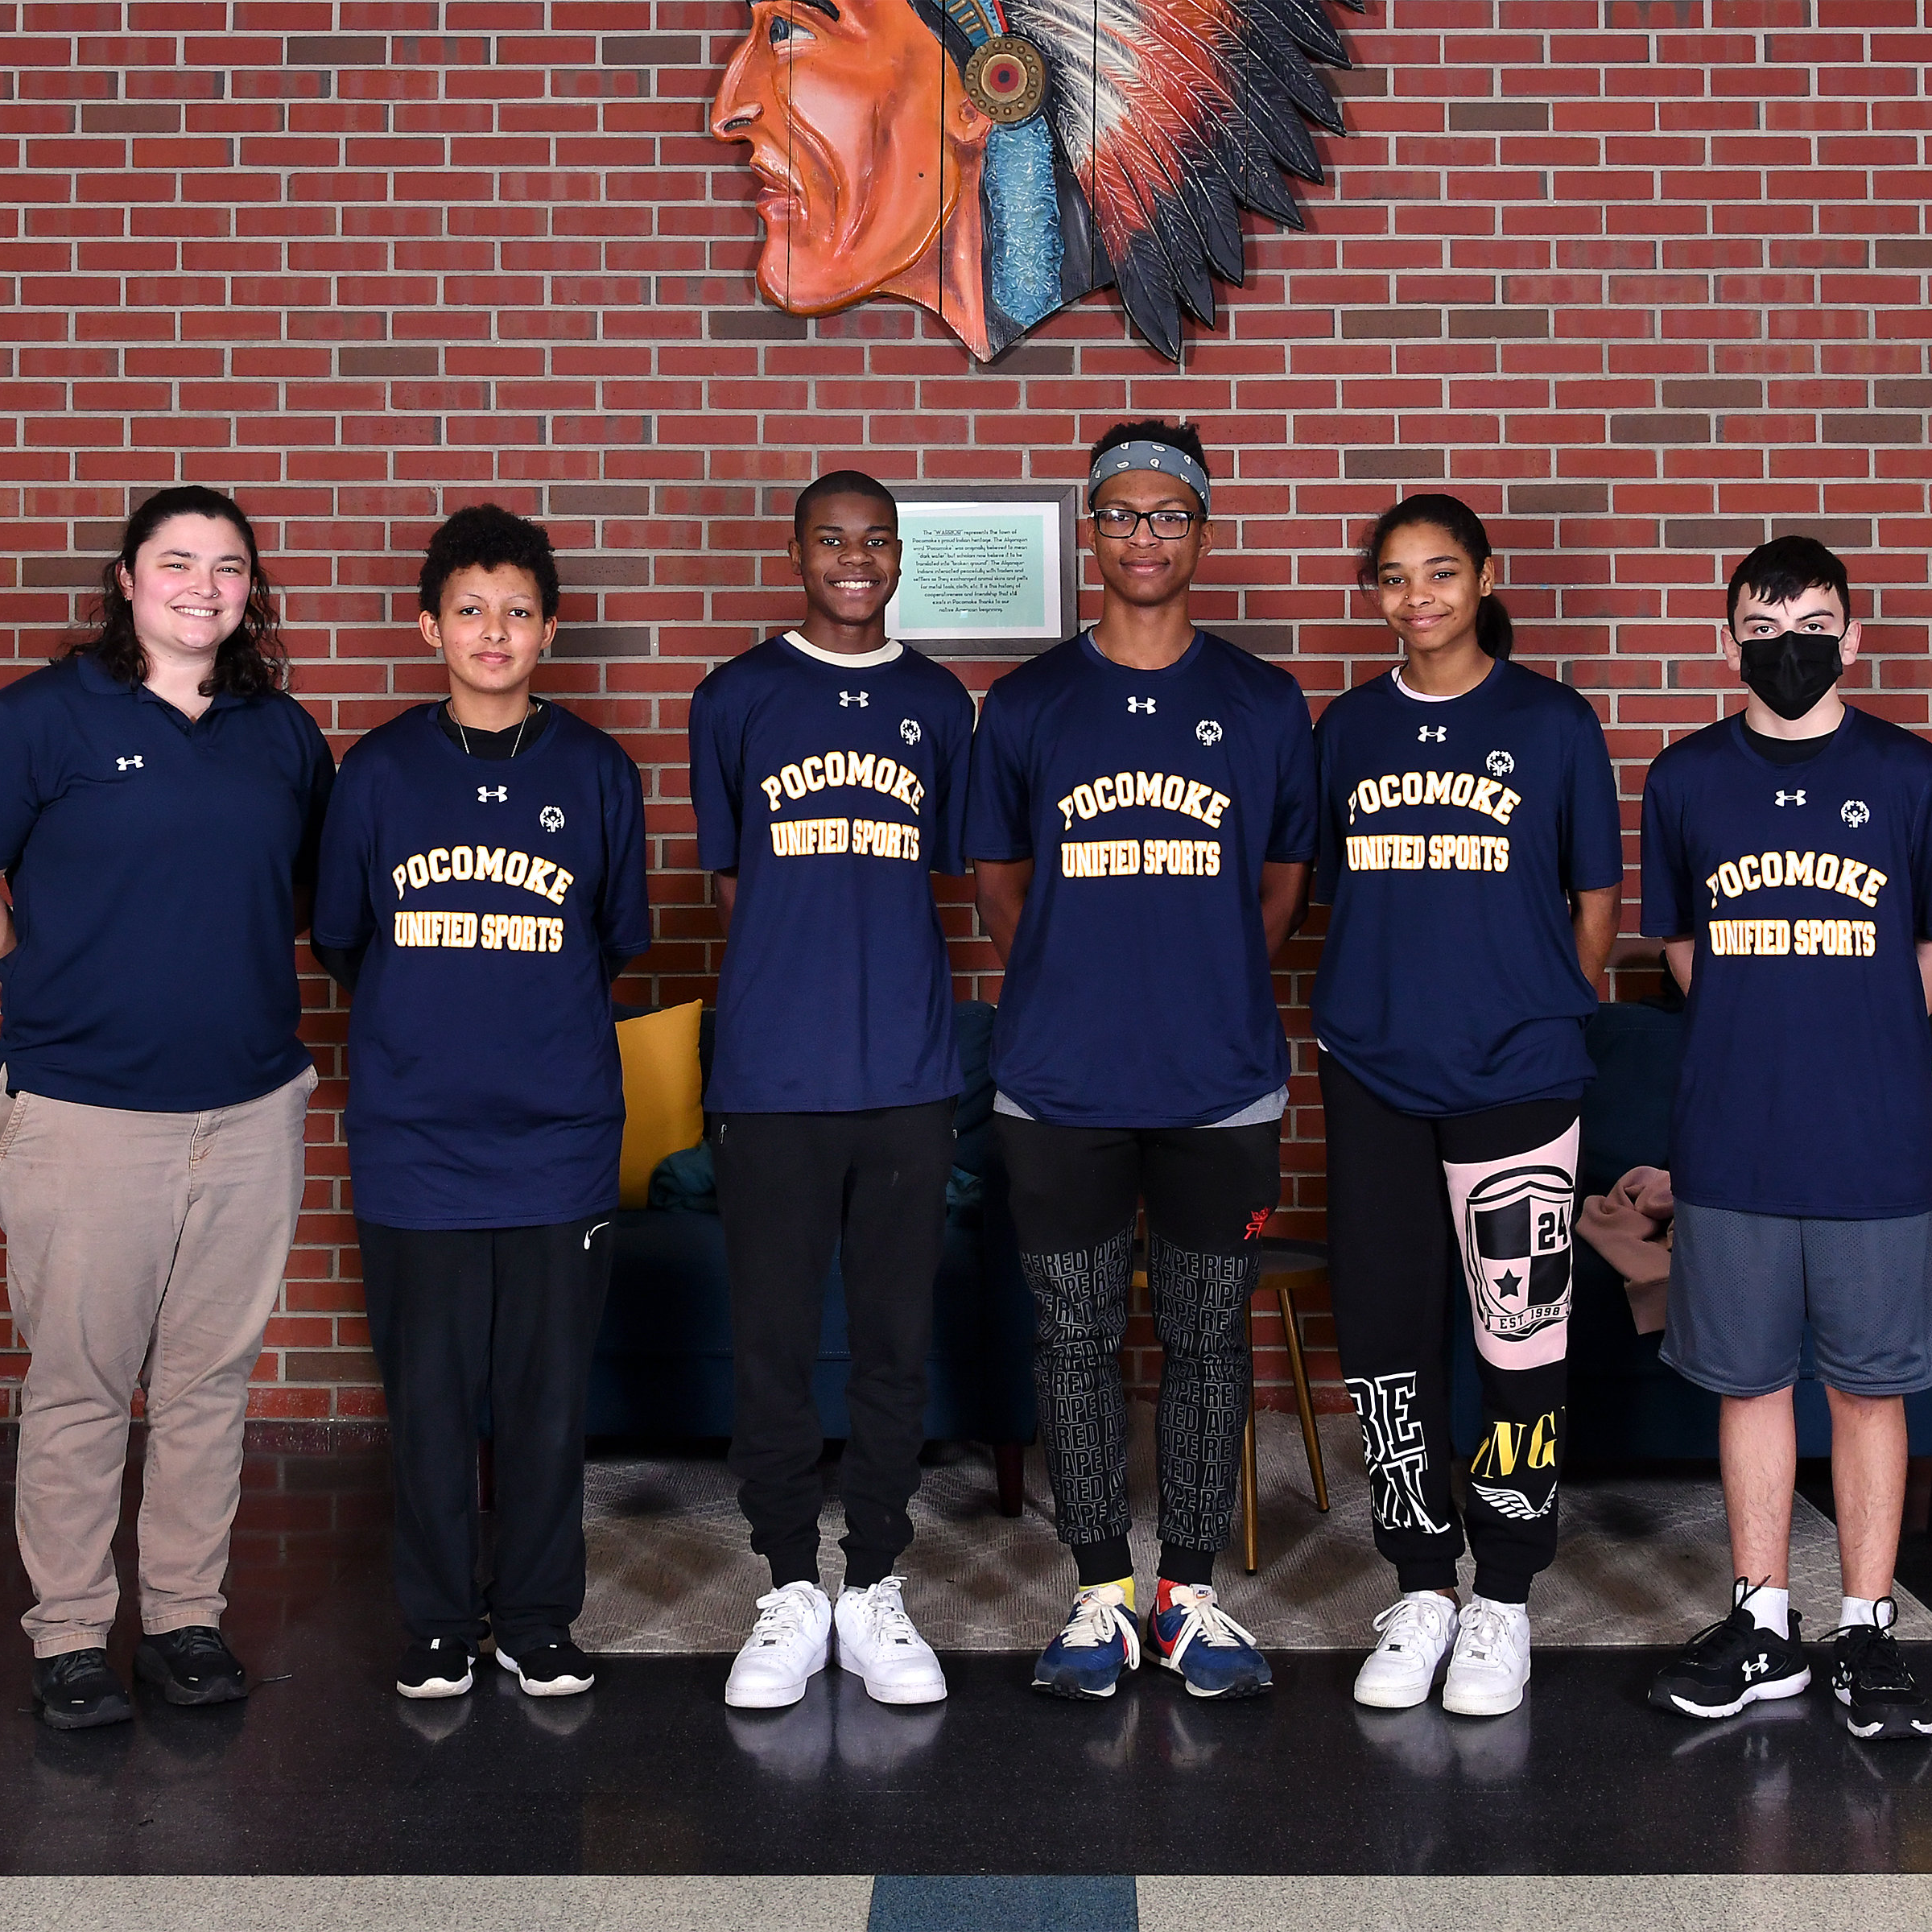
(1642, 1559)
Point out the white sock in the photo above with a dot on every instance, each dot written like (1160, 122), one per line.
(1857, 1610)
(1770, 1609)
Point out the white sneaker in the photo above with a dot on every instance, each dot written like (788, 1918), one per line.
(877, 1640)
(1417, 1630)
(785, 1651)
(1492, 1660)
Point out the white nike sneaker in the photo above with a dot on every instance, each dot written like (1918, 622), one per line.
(785, 1651)
(1417, 1629)
(877, 1640)
(1492, 1660)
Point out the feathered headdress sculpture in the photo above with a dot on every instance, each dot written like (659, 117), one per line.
(1128, 135)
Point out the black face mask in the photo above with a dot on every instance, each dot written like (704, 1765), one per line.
(1793, 670)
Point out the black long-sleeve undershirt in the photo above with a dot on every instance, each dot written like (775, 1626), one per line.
(1787, 751)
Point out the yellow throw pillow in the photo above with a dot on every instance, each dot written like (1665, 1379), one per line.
(663, 1094)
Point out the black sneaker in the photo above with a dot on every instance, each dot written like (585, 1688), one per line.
(1732, 1664)
(1870, 1678)
(443, 1667)
(549, 1669)
(191, 1666)
(76, 1691)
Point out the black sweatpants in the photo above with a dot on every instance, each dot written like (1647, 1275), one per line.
(792, 1189)
(1488, 1195)
(511, 1314)
(1209, 1191)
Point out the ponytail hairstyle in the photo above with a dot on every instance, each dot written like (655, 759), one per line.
(1493, 629)
(251, 661)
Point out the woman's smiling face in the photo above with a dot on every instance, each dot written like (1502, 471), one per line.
(189, 586)
(1428, 588)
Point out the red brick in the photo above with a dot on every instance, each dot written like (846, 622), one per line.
(1642, 292)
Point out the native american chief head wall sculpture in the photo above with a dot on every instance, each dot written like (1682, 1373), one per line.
(992, 160)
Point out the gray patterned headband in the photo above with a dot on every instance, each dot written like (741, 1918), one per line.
(1162, 456)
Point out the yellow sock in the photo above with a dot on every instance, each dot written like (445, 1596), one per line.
(1124, 1585)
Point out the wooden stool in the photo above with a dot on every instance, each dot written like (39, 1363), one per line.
(1288, 1260)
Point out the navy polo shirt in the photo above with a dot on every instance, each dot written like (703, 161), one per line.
(154, 862)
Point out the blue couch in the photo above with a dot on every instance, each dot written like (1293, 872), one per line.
(663, 1361)
(1625, 1404)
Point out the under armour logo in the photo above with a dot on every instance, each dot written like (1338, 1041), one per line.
(853, 697)
(122, 764)
(1145, 704)
(1853, 811)
(1432, 735)
(909, 730)
(485, 795)
(1756, 1666)
(1208, 731)
(1790, 798)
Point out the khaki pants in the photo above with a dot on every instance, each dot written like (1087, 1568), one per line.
(141, 1249)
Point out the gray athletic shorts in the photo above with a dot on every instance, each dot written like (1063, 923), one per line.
(1742, 1285)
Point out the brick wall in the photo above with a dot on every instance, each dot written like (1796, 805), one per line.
(1644, 279)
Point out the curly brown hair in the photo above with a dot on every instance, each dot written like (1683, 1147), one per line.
(251, 662)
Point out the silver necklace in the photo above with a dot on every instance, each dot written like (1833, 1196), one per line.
(529, 712)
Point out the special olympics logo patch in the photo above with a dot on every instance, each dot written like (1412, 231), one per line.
(1855, 812)
(551, 818)
(1208, 731)
(909, 730)
(1500, 764)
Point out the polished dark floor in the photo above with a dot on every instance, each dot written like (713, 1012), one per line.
(325, 1770)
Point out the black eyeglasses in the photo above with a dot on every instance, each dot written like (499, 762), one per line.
(1169, 526)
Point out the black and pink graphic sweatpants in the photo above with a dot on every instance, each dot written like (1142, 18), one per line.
(1413, 1203)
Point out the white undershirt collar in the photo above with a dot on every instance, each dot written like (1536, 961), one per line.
(1425, 697)
(887, 652)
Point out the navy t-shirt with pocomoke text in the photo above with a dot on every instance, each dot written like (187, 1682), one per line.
(834, 786)
(1805, 1085)
(156, 863)
(1452, 831)
(1138, 992)
(485, 1087)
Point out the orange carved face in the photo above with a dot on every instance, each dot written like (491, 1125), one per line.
(840, 101)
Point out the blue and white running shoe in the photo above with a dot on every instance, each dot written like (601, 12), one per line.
(1190, 1633)
(1098, 1643)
